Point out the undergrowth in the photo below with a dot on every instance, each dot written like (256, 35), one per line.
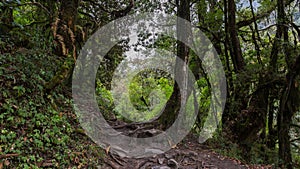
(37, 129)
(258, 152)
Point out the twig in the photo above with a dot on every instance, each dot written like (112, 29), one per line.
(134, 124)
(116, 160)
(114, 166)
(8, 155)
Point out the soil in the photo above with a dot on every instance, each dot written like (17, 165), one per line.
(188, 154)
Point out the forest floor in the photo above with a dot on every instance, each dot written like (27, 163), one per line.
(188, 154)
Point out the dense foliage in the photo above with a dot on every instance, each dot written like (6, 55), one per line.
(258, 42)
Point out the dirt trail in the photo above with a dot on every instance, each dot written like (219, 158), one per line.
(188, 154)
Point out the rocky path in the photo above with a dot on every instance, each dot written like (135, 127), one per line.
(188, 154)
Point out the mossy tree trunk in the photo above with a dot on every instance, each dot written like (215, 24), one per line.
(289, 105)
(290, 100)
(65, 40)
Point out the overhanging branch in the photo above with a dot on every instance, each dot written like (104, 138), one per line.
(249, 21)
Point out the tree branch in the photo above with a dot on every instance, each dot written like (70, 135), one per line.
(297, 29)
(249, 21)
(8, 155)
(295, 125)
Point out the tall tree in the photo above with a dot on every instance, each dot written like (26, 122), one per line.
(239, 93)
(173, 105)
(289, 102)
(236, 52)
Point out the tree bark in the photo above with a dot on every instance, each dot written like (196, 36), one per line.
(236, 52)
(64, 28)
(171, 111)
(238, 97)
(64, 38)
(289, 102)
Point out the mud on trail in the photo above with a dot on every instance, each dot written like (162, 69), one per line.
(188, 154)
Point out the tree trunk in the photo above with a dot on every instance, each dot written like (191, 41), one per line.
(64, 28)
(65, 40)
(236, 52)
(237, 101)
(288, 107)
(271, 137)
(289, 102)
(173, 105)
